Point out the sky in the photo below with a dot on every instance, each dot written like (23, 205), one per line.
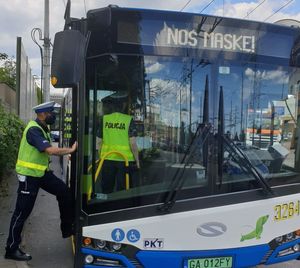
(19, 17)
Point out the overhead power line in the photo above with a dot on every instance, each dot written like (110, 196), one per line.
(255, 8)
(185, 5)
(188, 2)
(207, 6)
(279, 9)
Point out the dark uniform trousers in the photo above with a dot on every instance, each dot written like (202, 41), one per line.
(113, 176)
(27, 193)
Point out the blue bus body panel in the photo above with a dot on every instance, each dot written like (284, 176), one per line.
(178, 259)
(275, 259)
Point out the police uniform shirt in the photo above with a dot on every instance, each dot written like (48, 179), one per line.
(35, 137)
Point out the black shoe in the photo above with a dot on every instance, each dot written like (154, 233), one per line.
(17, 255)
(68, 232)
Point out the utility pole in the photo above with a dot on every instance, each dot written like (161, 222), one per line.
(46, 54)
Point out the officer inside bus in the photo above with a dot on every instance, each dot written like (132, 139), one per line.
(33, 173)
(117, 132)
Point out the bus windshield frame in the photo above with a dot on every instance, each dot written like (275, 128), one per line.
(164, 67)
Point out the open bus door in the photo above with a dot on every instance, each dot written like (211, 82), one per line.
(66, 71)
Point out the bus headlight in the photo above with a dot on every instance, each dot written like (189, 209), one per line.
(89, 259)
(279, 239)
(296, 247)
(289, 236)
(116, 246)
(100, 243)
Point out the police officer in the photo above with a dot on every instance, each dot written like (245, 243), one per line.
(33, 173)
(117, 133)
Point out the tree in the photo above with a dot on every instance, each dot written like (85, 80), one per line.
(3, 56)
(11, 129)
(7, 70)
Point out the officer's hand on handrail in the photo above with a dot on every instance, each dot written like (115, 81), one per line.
(74, 147)
(52, 150)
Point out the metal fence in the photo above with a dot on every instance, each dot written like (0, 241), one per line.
(7, 98)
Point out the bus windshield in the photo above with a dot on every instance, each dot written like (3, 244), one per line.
(165, 99)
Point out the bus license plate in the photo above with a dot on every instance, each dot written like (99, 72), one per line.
(217, 262)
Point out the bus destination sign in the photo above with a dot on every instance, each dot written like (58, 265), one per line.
(214, 40)
(162, 34)
(171, 34)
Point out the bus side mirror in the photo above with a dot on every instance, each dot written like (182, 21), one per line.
(67, 58)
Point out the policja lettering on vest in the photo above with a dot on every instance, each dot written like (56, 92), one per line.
(115, 125)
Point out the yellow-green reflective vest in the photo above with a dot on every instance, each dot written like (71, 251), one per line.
(115, 136)
(30, 161)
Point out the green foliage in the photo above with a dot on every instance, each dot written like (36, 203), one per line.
(11, 129)
(7, 70)
(3, 56)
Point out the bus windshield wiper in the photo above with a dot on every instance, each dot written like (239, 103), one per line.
(236, 152)
(241, 158)
(177, 181)
(201, 135)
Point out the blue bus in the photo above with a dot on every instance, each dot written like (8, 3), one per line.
(206, 195)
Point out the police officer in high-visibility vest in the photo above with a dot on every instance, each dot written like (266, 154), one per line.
(117, 133)
(33, 172)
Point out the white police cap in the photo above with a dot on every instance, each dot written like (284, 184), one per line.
(44, 107)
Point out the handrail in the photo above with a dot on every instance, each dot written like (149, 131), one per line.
(90, 166)
(101, 164)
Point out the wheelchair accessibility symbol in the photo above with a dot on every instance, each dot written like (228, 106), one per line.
(133, 235)
(117, 234)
